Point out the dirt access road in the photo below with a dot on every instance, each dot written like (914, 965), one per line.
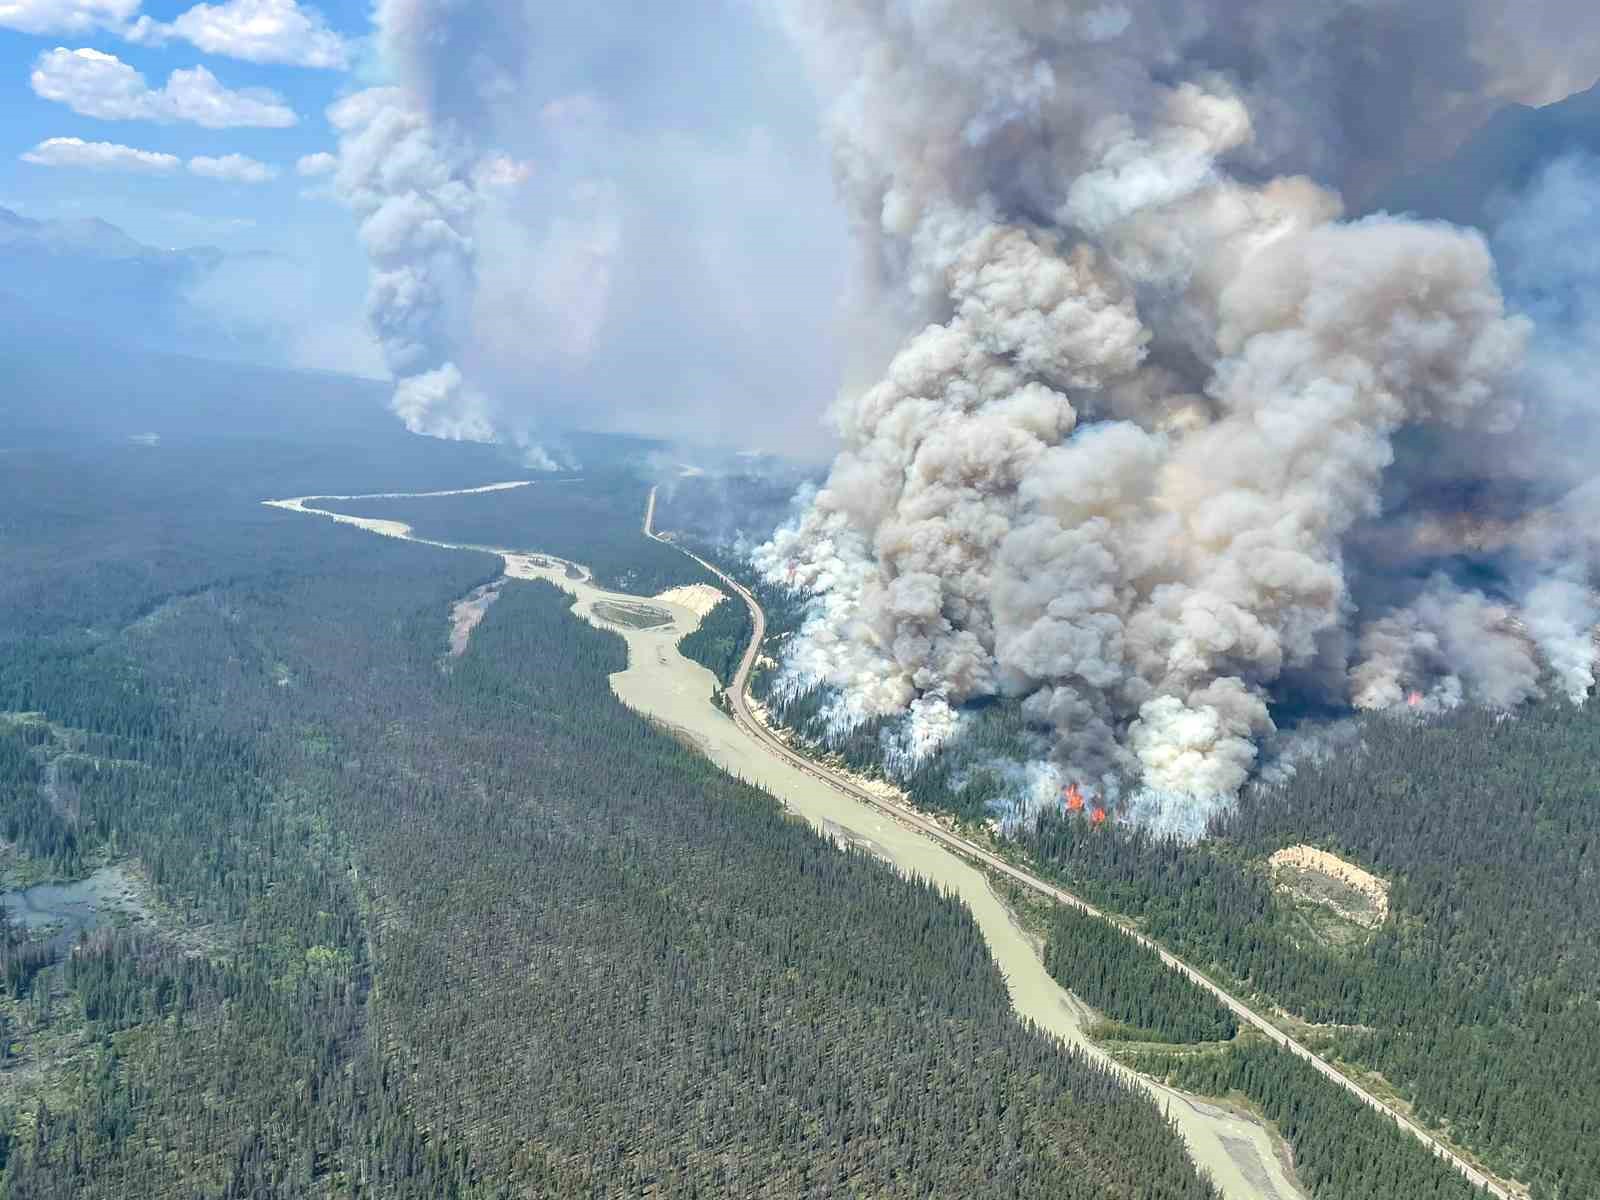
(973, 852)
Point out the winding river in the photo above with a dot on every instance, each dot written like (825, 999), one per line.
(1243, 1157)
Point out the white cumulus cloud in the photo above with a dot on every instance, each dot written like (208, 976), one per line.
(65, 16)
(262, 31)
(112, 156)
(233, 168)
(98, 156)
(95, 84)
(312, 165)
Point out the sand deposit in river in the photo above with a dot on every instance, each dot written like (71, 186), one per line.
(467, 613)
(698, 598)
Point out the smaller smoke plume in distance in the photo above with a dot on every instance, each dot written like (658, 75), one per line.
(569, 225)
(417, 203)
(1151, 382)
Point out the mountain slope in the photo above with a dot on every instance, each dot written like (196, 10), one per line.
(90, 266)
(61, 377)
(1472, 186)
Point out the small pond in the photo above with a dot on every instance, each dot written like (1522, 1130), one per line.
(68, 908)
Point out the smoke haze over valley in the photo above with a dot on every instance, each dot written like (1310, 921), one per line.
(1160, 397)
(787, 598)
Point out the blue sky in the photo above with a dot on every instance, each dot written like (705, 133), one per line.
(652, 208)
(288, 214)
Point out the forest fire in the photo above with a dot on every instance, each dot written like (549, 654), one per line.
(1072, 798)
(1074, 801)
(1414, 699)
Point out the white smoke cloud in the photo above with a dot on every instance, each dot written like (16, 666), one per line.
(1450, 645)
(1130, 386)
(1553, 274)
(417, 206)
(627, 249)
(1561, 616)
(1161, 383)
(441, 404)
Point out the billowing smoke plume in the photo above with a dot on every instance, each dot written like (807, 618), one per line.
(569, 226)
(1158, 380)
(417, 204)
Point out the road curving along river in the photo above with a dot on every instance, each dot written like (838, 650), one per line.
(1242, 1156)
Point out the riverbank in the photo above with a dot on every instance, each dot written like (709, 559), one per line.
(1240, 1154)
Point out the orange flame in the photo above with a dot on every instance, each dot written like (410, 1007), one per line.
(1072, 798)
(1414, 699)
(1097, 815)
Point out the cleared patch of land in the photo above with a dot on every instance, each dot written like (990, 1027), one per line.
(1326, 879)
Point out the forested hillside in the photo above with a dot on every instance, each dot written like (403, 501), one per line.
(1477, 1001)
(473, 933)
(96, 535)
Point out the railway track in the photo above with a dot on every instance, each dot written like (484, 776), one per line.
(752, 727)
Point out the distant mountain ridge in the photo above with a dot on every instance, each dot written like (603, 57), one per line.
(73, 268)
(1474, 185)
(64, 378)
(87, 236)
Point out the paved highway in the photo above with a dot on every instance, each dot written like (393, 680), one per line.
(906, 815)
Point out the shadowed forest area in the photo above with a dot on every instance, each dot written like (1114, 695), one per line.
(476, 933)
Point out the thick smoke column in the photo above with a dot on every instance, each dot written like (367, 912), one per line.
(417, 203)
(1158, 380)
(570, 226)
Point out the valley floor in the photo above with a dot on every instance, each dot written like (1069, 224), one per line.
(1241, 1155)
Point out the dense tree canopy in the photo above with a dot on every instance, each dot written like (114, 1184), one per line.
(1477, 1000)
(1130, 984)
(473, 933)
(718, 643)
